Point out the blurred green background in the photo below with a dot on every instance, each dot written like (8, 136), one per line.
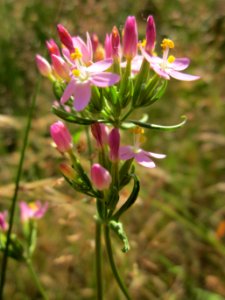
(177, 226)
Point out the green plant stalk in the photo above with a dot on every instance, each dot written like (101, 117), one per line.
(112, 263)
(17, 181)
(98, 260)
(36, 279)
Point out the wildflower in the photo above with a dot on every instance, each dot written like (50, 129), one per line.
(167, 67)
(100, 177)
(114, 144)
(60, 67)
(32, 210)
(43, 66)
(61, 136)
(52, 47)
(141, 156)
(130, 38)
(82, 78)
(65, 37)
(3, 223)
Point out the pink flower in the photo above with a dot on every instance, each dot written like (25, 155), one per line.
(43, 66)
(60, 67)
(32, 210)
(141, 156)
(114, 144)
(167, 67)
(65, 37)
(3, 223)
(100, 177)
(61, 136)
(52, 47)
(82, 78)
(108, 46)
(115, 42)
(130, 38)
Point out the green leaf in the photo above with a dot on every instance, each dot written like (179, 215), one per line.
(69, 117)
(131, 199)
(160, 127)
(127, 125)
(16, 250)
(117, 227)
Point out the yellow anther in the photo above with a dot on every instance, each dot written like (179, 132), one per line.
(76, 54)
(137, 130)
(142, 44)
(167, 43)
(32, 206)
(76, 72)
(171, 59)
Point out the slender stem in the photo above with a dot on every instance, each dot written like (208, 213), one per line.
(127, 114)
(89, 144)
(36, 279)
(98, 251)
(112, 263)
(17, 181)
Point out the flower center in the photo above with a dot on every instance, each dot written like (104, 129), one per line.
(139, 138)
(166, 45)
(33, 206)
(76, 54)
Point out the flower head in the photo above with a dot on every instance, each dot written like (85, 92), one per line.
(32, 210)
(3, 223)
(61, 136)
(169, 66)
(141, 156)
(100, 177)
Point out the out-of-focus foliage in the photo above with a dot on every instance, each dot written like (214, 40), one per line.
(177, 226)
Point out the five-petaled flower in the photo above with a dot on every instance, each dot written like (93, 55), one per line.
(32, 210)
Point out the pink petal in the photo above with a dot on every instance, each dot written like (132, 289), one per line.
(68, 92)
(82, 95)
(144, 160)
(89, 46)
(180, 63)
(126, 152)
(160, 71)
(155, 155)
(104, 79)
(100, 66)
(182, 76)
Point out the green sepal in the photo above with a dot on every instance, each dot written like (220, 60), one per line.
(131, 199)
(117, 227)
(58, 89)
(32, 238)
(160, 127)
(69, 117)
(126, 125)
(124, 175)
(157, 93)
(15, 250)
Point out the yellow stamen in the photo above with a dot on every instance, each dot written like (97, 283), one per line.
(167, 43)
(32, 206)
(76, 54)
(76, 72)
(137, 130)
(142, 139)
(171, 59)
(142, 44)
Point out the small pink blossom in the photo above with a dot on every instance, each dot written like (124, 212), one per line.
(3, 223)
(100, 177)
(115, 42)
(150, 35)
(114, 144)
(43, 66)
(100, 133)
(32, 210)
(108, 46)
(130, 38)
(61, 136)
(65, 37)
(52, 47)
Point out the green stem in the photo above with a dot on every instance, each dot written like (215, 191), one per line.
(98, 253)
(36, 279)
(112, 263)
(17, 181)
(89, 144)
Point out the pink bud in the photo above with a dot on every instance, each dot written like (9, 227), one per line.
(65, 37)
(43, 66)
(100, 177)
(150, 35)
(99, 131)
(115, 41)
(32, 210)
(61, 136)
(3, 223)
(52, 47)
(60, 66)
(108, 46)
(130, 38)
(114, 144)
(94, 41)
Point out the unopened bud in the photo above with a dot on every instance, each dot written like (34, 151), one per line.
(150, 35)
(61, 136)
(100, 177)
(65, 37)
(43, 66)
(130, 38)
